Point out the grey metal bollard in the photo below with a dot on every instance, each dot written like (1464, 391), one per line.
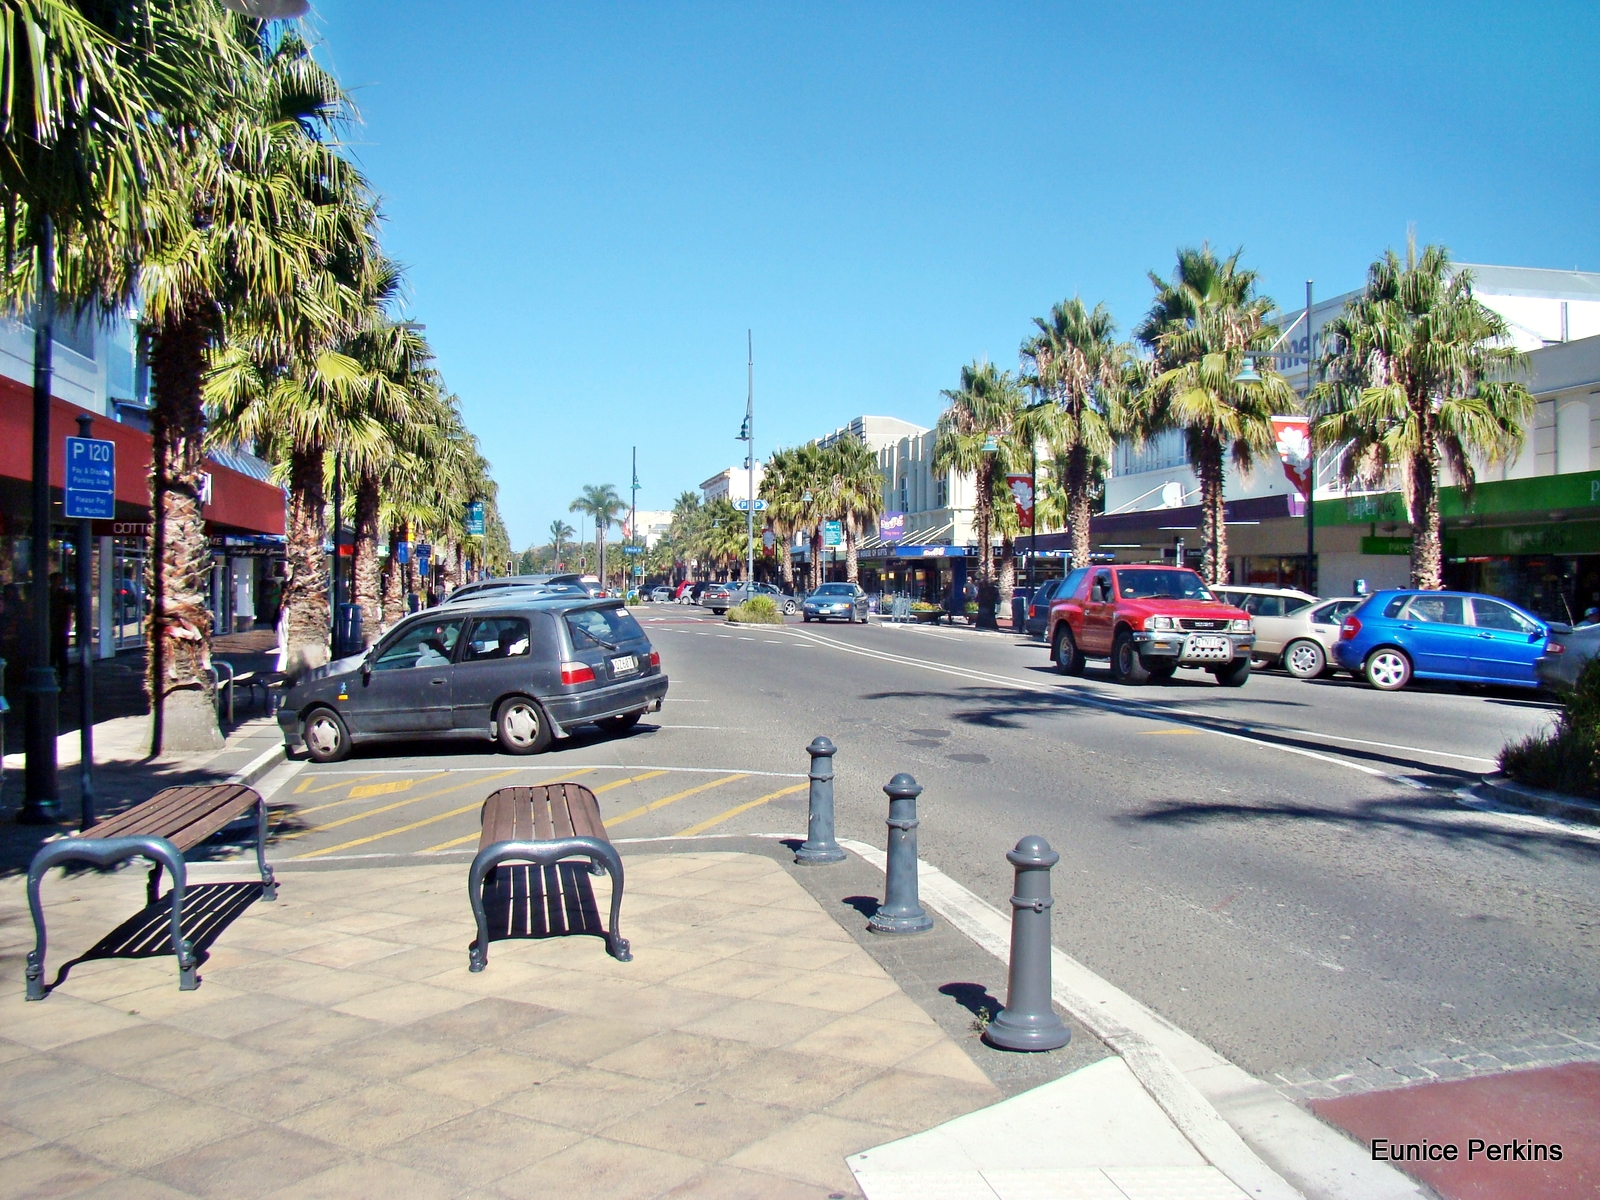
(819, 846)
(901, 911)
(1028, 1022)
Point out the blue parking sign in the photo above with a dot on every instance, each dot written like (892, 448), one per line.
(91, 479)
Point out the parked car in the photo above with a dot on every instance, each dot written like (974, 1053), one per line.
(788, 605)
(1271, 611)
(1149, 621)
(660, 595)
(1397, 636)
(836, 602)
(1039, 603)
(1309, 636)
(715, 597)
(1567, 650)
(514, 668)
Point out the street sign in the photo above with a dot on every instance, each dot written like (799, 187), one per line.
(424, 552)
(638, 571)
(832, 533)
(91, 478)
(633, 549)
(744, 505)
(475, 519)
(402, 553)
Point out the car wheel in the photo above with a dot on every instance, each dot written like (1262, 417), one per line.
(1387, 669)
(620, 724)
(1234, 674)
(1163, 672)
(1126, 665)
(790, 608)
(1064, 652)
(1305, 659)
(807, 618)
(521, 727)
(327, 740)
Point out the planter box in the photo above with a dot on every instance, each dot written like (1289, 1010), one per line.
(928, 618)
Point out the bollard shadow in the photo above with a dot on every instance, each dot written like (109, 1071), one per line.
(975, 998)
(525, 901)
(867, 906)
(208, 909)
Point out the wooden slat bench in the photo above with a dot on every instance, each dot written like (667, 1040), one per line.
(543, 825)
(161, 829)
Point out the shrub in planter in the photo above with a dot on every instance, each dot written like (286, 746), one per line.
(1567, 757)
(758, 610)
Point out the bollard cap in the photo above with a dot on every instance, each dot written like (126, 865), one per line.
(1033, 851)
(902, 786)
(820, 747)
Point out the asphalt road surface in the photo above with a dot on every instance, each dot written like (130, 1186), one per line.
(1283, 870)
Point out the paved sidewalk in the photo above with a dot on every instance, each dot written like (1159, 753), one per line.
(339, 1047)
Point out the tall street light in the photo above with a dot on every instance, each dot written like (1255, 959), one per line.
(747, 435)
(40, 803)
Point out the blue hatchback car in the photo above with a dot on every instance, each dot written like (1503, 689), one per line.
(1396, 636)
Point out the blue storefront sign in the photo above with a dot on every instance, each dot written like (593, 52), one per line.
(91, 479)
(932, 551)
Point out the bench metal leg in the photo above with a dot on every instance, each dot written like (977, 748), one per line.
(103, 852)
(269, 885)
(601, 855)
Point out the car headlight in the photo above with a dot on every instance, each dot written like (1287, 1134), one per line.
(1160, 623)
(1239, 625)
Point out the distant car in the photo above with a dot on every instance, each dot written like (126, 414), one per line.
(660, 595)
(513, 666)
(1039, 605)
(1309, 636)
(1397, 636)
(788, 605)
(1567, 650)
(1271, 611)
(836, 602)
(715, 597)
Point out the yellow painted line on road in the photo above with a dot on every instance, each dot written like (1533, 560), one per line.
(305, 785)
(373, 812)
(363, 790)
(605, 787)
(676, 796)
(356, 793)
(740, 808)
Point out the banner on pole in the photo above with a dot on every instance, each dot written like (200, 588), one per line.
(1022, 493)
(1293, 437)
(832, 533)
(892, 526)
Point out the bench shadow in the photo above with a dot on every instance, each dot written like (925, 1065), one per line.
(531, 902)
(208, 909)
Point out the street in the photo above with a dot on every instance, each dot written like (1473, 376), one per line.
(1284, 870)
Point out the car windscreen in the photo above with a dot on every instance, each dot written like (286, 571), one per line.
(835, 589)
(1161, 585)
(603, 627)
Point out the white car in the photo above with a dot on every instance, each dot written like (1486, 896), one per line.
(1272, 611)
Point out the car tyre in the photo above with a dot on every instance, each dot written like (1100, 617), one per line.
(1304, 658)
(1161, 672)
(1064, 652)
(622, 723)
(1387, 669)
(1234, 674)
(521, 727)
(790, 608)
(807, 618)
(1126, 665)
(326, 738)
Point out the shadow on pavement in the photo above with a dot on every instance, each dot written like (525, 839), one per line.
(526, 901)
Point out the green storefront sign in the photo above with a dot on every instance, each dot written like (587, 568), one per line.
(1538, 496)
(1386, 545)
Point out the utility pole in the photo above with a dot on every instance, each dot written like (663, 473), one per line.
(85, 627)
(633, 521)
(40, 804)
(1311, 483)
(750, 461)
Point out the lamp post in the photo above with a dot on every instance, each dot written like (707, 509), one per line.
(747, 435)
(1033, 490)
(988, 595)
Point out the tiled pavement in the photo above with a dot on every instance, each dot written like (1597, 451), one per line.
(339, 1046)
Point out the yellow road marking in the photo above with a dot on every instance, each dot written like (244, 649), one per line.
(1171, 732)
(737, 809)
(606, 787)
(362, 791)
(329, 787)
(666, 800)
(373, 812)
(304, 784)
(353, 796)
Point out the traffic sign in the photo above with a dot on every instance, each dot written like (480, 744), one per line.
(91, 478)
(744, 505)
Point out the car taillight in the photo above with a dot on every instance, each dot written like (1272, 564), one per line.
(1351, 627)
(1033, 611)
(655, 658)
(572, 672)
(1554, 648)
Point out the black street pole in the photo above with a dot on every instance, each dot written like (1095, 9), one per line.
(40, 804)
(335, 642)
(1311, 489)
(1033, 507)
(85, 625)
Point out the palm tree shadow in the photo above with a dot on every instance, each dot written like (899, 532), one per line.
(208, 909)
(525, 901)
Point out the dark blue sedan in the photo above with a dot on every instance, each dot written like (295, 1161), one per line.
(1396, 636)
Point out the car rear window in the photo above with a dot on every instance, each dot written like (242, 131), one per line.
(596, 626)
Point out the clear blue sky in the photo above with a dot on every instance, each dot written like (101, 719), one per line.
(595, 201)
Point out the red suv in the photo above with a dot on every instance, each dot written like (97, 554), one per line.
(1149, 621)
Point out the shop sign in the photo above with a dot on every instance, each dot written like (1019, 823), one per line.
(892, 526)
(931, 551)
(1021, 487)
(832, 533)
(1566, 537)
(1386, 545)
(91, 479)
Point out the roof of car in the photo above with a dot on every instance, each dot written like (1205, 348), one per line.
(526, 599)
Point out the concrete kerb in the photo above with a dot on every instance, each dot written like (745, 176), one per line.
(1258, 1138)
(1511, 794)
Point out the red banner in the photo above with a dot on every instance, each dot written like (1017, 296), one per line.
(1022, 494)
(1293, 435)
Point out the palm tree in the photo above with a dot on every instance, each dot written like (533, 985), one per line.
(602, 504)
(1420, 381)
(1081, 371)
(560, 532)
(858, 494)
(973, 437)
(1201, 326)
(782, 490)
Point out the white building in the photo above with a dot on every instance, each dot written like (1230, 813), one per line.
(734, 483)
(654, 525)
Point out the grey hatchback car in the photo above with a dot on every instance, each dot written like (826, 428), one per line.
(518, 669)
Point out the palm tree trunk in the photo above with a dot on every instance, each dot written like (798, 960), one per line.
(305, 581)
(983, 511)
(366, 556)
(816, 558)
(787, 561)
(1008, 572)
(1427, 550)
(1213, 526)
(394, 584)
(600, 549)
(1078, 515)
(852, 567)
(178, 630)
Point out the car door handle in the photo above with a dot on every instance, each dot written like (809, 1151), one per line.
(1407, 625)
(438, 682)
(1490, 636)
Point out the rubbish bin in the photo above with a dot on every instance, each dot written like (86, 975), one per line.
(1020, 599)
(347, 631)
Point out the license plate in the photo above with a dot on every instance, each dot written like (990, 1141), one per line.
(622, 666)
(1208, 645)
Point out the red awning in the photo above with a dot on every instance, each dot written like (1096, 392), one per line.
(237, 501)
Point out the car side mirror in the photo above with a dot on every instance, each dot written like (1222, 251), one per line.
(1536, 636)
(366, 671)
